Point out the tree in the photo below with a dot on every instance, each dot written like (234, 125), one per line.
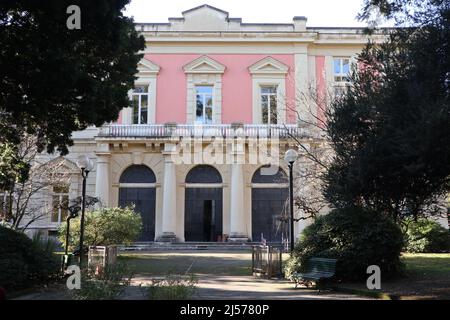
(25, 188)
(390, 132)
(54, 80)
(315, 153)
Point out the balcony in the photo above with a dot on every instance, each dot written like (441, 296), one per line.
(161, 131)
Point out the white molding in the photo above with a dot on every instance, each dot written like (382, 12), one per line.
(268, 72)
(268, 80)
(138, 185)
(203, 71)
(203, 185)
(146, 67)
(204, 65)
(268, 66)
(269, 185)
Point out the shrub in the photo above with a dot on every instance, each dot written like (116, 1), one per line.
(426, 236)
(356, 237)
(107, 226)
(45, 263)
(172, 287)
(109, 285)
(25, 262)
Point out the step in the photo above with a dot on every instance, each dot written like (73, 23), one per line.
(155, 246)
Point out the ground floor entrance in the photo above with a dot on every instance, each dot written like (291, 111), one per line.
(203, 214)
(144, 201)
(269, 214)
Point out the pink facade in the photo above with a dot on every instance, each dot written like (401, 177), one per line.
(237, 93)
(320, 87)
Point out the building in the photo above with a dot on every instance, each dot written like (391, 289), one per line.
(213, 97)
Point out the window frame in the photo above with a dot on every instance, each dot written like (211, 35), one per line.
(140, 94)
(341, 74)
(60, 196)
(204, 95)
(269, 109)
(340, 87)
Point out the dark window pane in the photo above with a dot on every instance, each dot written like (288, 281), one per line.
(55, 209)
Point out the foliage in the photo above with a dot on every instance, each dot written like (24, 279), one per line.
(108, 285)
(25, 262)
(390, 132)
(172, 287)
(55, 80)
(356, 237)
(106, 226)
(404, 12)
(426, 236)
(12, 168)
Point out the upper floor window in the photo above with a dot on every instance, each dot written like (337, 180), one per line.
(341, 69)
(139, 103)
(269, 104)
(60, 201)
(204, 105)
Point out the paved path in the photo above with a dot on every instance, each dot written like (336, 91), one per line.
(221, 276)
(212, 287)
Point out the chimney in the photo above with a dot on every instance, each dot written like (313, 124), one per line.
(299, 23)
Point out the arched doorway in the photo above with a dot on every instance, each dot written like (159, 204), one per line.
(137, 187)
(203, 204)
(269, 204)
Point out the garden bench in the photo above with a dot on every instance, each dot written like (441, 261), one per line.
(316, 270)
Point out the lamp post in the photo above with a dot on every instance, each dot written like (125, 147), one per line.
(290, 157)
(85, 165)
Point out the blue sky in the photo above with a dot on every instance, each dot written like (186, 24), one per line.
(323, 13)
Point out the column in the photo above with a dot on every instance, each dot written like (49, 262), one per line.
(238, 230)
(169, 207)
(302, 82)
(102, 184)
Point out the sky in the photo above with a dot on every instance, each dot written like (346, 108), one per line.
(320, 13)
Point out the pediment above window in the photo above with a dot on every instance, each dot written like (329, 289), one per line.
(204, 64)
(268, 65)
(61, 164)
(146, 67)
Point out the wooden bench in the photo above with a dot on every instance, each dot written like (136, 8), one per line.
(316, 270)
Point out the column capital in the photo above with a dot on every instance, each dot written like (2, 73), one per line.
(103, 157)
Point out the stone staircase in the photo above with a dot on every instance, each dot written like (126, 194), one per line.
(169, 246)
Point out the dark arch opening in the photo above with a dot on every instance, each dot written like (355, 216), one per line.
(143, 199)
(203, 174)
(260, 177)
(138, 173)
(203, 205)
(269, 206)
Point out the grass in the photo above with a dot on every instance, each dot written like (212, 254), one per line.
(427, 265)
(195, 262)
(427, 276)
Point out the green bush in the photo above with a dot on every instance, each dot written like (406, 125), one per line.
(356, 237)
(45, 263)
(25, 262)
(109, 285)
(108, 226)
(172, 287)
(426, 236)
